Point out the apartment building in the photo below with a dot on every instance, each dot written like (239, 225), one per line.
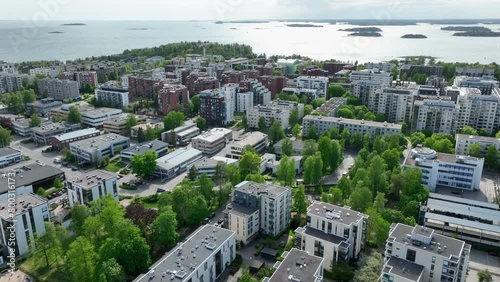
(288, 105)
(323, 124)
(212, 141)
(217, 106)
(479, 111)
(95, 149)
(244, 101)
(10, 156)
(297, 266)
(22, 225)
(274, 84)
(92, 186)
(463, 142)
(62, 141)
(177, 162)
(171, 96)
(62, 90)
(141, 85)
(258, 208)
(475, 222)
(97, 117)
(50, 71)
(310, 94)
(319, 83)
(208, 166)
(409, 70)
(42, 134)
(436, 115)
(331, 107)
(270, 114)
(485, 83)
(204, 256)
(160, 147)
(395, 102)
(81, 77)
(446, 170)
(382, 66)
(379, 77)
(337, 234)
(474, 72)
(10, 82)
(417, 253)
(184, 134)
(7, 68)
(43, 107)
(258, 140)
(261, 94)
(113, 95)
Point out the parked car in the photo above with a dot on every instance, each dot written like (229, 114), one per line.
(206, 220)
(212, 215)
(74, 169)
(49, 197)
(57, 160)
(118, 176)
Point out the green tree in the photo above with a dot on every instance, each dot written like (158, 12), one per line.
(345, 136)
(308, 109)
(48, 248)
(312, 134)
(131, 122)
(196, 103)
(491, 156)
(144, 164)
(313, 168)
(497, 135)
(192, 173)
(58, 184)
(110, 271)
(300, 201)
(141, 136)
(5, 137)
(232, 174)
(376, 171)
(172, 120)
(262, 124)
(294, 117)
(361, 197)
(379, 202)
(286, 171)
(379, 145)
(206, 187)
(249, 164)
(35, 120)
(78, 215)
(164, 228)
(369, 268)
(310, 148)
(417, 138)
(257, 178)
(325, 148)
(344, 185)
(82, 260)
(337, 157)
(484, 276)
(342, 271)
(483, 132)
(391, 158)
(74, 116)
(296, 130)
(335, 196)
(287, 147)
(475, 150)
(378, 228)
(201, 123)
(276, 132)
(335, 91)
(468, 130)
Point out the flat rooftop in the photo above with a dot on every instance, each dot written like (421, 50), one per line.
(297, 264)
(7, 151)
(99, 142)
(442, 157)
(96, 113)
(331, 104)
(212, 162)
(154, 145)
(324, 236)
(335, 213)
(29, 174)
(22, 203)
(465, 201)
(463, 210)
(250, 187)
(184, 259)
(90, 179)
(250, 138)
(51, 126)
(403, 268)
(476, 138)
(241, 210)
(178, 157)
(45, 104)
(214, 134)
(353, 121)
(76, 134)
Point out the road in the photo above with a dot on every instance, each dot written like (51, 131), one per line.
(333, 178)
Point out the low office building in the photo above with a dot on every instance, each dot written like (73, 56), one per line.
(446, 170)
(95, 149)
(10, 156)
(258, 208)
(258, 140)
(297, 147)
(184, 134)
(297, 266)
(319, 83)
(116, 124)
(270, 114)
(22, 127)
(97, 117)
(212, 141)
(63, 111)
(208, 166)
(331, 107)
(323, 124)
(204, 256)
(476, 222)
(428, 255)
(92, 186)
(28, 220)
(134, 130)
(337, 234)
(42, 134)
(112, 95)
(62, 141)
(288, 106)
(44, 106)
(160, 147)
(463, 142)
(177, 162)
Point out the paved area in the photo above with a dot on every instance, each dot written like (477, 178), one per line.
(333, 178)
(17, 276)
(480, 260)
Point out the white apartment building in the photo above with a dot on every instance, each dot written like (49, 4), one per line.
(62, 90)
(463, 142)
(476, 222)
(177, 162)
(364, 83)
(474, 72)
(95, 149)
(319, 83)
(258, 140)
(10, 82)
(311, 94)
(417, 253)
(7, 68)
(50, 71)
(485, 83)
(115, 95)
(255, 207)
(208, 166)
(396, 103)
(232, 90)
(270, 114)
(92, 186)
(97, 117)
(331, 107)
(374, 128)
(204, 256)
(212, 141)
(244, 101)
(10, 156)
(479, 111)
(438, 116)
(446, 170)
(288, 105)
(297, 265)
(28, 220)
(261, 95)
(337, 234)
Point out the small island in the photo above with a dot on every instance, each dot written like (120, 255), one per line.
(303, 25)
(219, 22)
(55, 32)
(362, 29)
(472, 31)
(73, 24)
(233, 28)
(414, 36)
(366, 34)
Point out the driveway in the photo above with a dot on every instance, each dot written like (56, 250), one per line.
(480, 260)
(149, 187)
(349, 157)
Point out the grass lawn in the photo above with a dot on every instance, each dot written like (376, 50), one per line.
(115, 166)
(150, 205)
(40, 272)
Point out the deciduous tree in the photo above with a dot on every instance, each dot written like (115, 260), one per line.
(287, 147)
(74, 116)
(164, 228)
(144, 164)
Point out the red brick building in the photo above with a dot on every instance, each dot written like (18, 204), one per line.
(315, 71)
(204, 83)
(233, 77)
(62, 141)
(263, 70)
(251, 74)
(334, 67)
(275, 84)
(82, 77)
(139, 86)
(170, 96)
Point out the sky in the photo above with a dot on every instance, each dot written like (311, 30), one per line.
(246, 9)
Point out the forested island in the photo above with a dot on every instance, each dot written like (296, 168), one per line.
(303, 25)
(414, 36)
(472, 31)
(366, 34)
(362, 29)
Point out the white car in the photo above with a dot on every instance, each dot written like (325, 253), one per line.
(57, 160)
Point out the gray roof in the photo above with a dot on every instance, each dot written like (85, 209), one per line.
(154, 145)
(99, 112)
(28, 175)
(250, 187)
(354, 121)
(98, 142)
(463, 210)
(335, 213)
(76, 134)
(298, 264)
(404, 268)
(460, 200)
(90, 179)
(7, 151)
(178, 157)
(51, 126)
(241, 210)
(21, 204)
(297, 145)
(324, 236)
(189, 255)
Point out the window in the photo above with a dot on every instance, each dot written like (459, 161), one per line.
(410, 255)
